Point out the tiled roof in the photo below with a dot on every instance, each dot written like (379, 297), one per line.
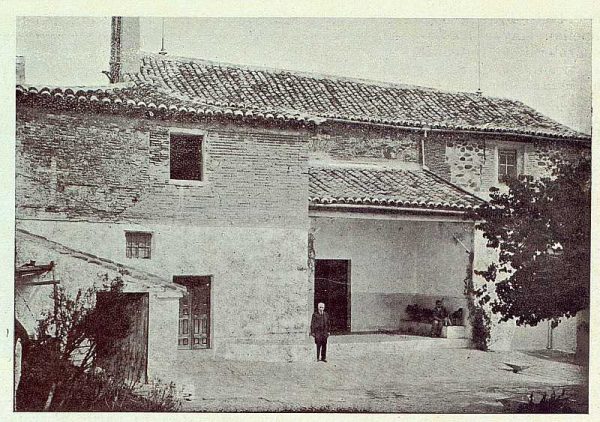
(413, 188)
(150, 98)
(205, 89)
(285, 92)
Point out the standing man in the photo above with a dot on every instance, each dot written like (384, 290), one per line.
(319, 329)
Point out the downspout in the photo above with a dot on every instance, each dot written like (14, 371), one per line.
(425, 131)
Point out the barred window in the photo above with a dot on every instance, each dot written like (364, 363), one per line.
(138, 245)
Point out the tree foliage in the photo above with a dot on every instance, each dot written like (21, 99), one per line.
(69, 339)
(541, 229)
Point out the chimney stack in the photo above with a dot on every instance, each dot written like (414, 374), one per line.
(20, 67)
(124, 48)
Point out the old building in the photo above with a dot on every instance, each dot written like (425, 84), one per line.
(237, 197)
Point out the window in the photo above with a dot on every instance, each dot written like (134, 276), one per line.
(138, 245)
(185, 157)
(194, 313)
(507, 164)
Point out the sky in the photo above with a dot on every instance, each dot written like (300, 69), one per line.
(546, 64)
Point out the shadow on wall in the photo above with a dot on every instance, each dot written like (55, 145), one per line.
(386, 311)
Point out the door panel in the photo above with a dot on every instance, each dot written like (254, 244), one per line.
(194, 313)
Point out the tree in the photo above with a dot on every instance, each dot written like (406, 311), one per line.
(62, 367)
(541, 229)
(68, 341)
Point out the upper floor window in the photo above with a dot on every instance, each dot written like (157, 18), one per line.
(185, 157)
(138, 245)
(507, 164)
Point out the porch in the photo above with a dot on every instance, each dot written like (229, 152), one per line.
(369, 272)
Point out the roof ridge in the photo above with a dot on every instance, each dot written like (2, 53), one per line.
(183, 84)
(496, 105)
(319, 75)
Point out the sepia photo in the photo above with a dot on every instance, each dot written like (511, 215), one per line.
(331, 215)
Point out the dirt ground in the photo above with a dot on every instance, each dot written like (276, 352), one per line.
(432, 381)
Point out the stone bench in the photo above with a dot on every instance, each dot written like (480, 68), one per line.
(424, 329)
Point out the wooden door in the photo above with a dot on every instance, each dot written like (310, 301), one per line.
(128, 356)
(194, 313)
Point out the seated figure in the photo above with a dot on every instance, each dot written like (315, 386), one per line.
(457, 317)
(439, 319)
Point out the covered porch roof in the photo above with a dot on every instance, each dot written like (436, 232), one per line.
(411, 188)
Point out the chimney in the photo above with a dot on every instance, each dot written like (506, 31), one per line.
(124, 48)
(20, 66)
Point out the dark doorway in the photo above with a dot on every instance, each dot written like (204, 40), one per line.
(332, 287)
(194, 313)
(127, 356)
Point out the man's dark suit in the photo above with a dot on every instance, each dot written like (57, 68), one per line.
(319, 328)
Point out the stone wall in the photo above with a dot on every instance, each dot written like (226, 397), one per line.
(541, 155)
(470, 161)
(466, 159)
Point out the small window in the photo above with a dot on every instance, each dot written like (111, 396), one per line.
(507, 164)
(138, 245)
(185, 157)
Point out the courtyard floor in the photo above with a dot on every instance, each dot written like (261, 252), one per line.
(430, 381)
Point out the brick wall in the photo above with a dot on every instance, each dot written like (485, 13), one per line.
(344, 142)
(108, 168)
(434, 148)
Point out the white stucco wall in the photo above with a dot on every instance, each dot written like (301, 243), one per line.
(507, 335)
(259, 287)
(564, 337)
(395, 263)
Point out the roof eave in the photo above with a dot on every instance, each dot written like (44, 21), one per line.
(57, 94)
(463, 213)
(421, 127)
